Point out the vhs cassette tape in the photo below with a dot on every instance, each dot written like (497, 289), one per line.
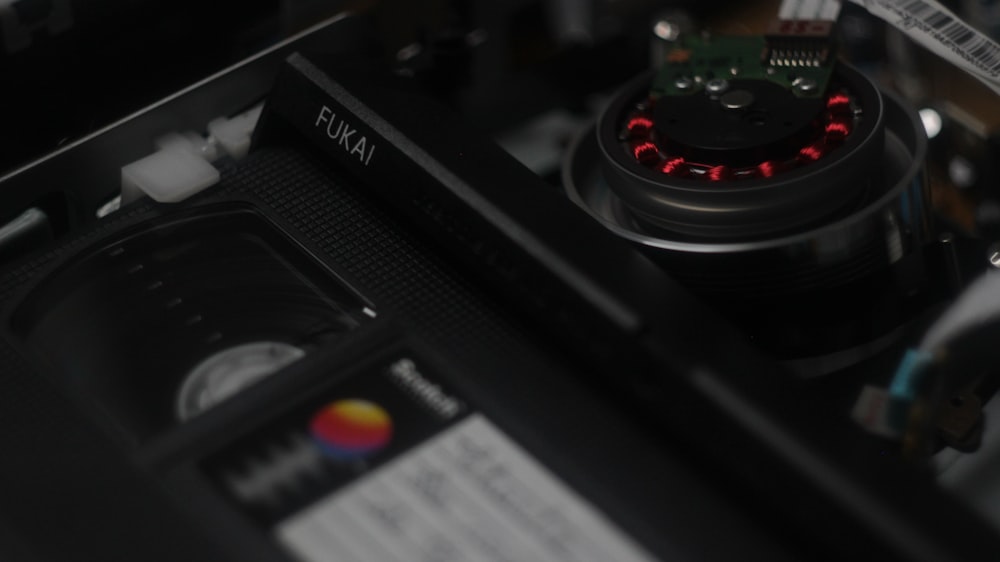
(235, 371)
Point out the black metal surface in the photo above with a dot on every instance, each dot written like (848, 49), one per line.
(698, 126)
(113, 58)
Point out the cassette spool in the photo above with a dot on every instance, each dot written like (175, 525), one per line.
(167, 319)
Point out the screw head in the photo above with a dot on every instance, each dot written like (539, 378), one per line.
(716, 86)
(805, 85)
(737, 100)
(993, 255)
(666, 29)
(683, 83)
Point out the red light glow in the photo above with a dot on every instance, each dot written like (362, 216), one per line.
(836, 124)
(639, 125)
(675, 167)
(766, 169)
(718, 173)
(645, 152)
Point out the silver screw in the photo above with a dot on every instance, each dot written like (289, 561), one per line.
(993, 254)
(737, 99)
(805, 85)
(717, 86)
(666, 29)
(409, 52)
(683, 83)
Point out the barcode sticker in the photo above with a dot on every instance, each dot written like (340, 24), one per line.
(930, 24)
(925, 21)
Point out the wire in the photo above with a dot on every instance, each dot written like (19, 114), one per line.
(977, 306)
(950, 351)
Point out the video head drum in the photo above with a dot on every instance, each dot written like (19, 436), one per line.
(791, 196)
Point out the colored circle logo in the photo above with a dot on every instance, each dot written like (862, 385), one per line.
(351, 429)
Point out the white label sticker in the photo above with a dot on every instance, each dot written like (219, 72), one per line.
(930, 24)
(469, 493)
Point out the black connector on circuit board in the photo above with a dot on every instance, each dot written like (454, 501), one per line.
(798, 43)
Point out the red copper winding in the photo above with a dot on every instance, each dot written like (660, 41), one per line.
(718, 173)
(767, 168)
(812, 152)
(838, 103)
(837, 130)
(837, 125)
(645, 151)
(639, 125)
(675, 167)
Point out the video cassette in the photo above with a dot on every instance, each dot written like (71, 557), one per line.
(221, 378)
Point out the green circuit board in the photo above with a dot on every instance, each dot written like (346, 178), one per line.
(803, 63)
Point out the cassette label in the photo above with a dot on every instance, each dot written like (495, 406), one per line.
(325, 443)
(470, 493)
(393, 465)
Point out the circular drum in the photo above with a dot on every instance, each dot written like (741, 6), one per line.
(802, 218)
